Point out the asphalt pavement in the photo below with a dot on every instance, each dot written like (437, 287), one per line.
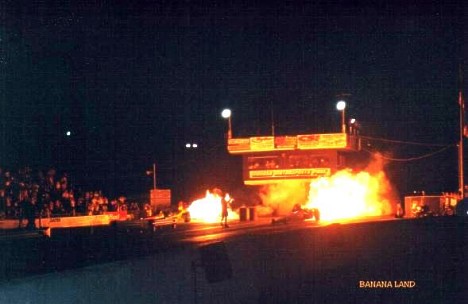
(300, 262)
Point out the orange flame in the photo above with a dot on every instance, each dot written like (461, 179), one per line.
(279, 198)
(208, 209)
(346, 195)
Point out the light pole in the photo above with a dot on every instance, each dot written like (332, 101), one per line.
(148, 172)
(226, 113)
(341, 106)
(154, 176)
(353, 126)
(461, 179)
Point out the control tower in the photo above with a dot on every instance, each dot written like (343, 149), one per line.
(272, 159)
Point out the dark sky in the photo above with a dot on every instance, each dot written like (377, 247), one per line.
(135, 82)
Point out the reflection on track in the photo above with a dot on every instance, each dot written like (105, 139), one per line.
(199, 232)
(26, 253)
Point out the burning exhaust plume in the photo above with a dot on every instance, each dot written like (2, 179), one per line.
(348, 195)
(344, 195)
(279, 198)
(208, 209)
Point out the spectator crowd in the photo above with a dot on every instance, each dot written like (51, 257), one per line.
(25, 194)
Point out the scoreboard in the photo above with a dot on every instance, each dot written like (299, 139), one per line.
(270, 159)
(270, 167)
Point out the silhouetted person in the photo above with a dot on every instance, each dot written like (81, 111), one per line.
(224, 212)
(31, 214)
(27, 210)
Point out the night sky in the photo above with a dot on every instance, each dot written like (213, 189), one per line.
(135, 82)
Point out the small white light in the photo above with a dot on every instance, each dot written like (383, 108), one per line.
(68, 133)
(187, 145)
(226, 113)
(341, 105)
(195, 145)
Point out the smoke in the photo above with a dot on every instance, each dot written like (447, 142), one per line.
(376, 164)
(279, 198)
(345, 194)
(387, 193)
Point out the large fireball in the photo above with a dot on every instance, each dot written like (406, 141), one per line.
(348, 195)
(208, 208)
(342, 196)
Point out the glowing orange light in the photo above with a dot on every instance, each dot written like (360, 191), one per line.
(208, 209)
(342, 196)
(348, 195)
